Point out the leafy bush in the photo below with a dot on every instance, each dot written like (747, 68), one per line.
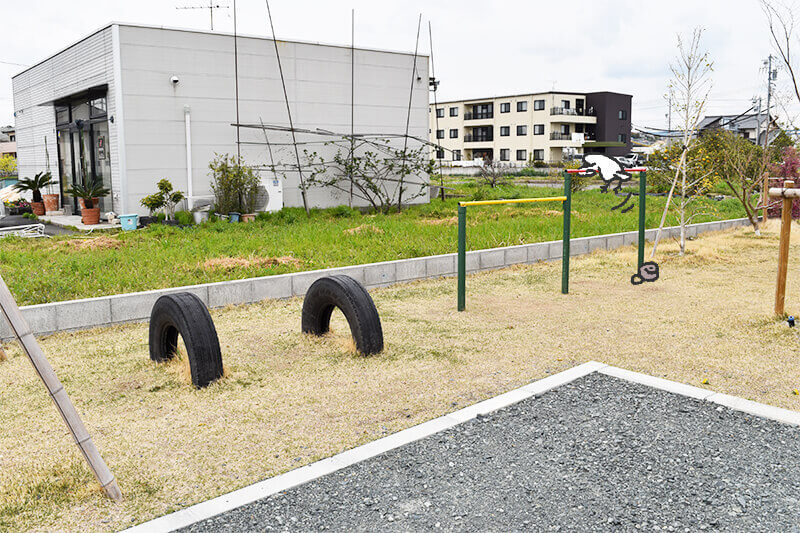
(165, 198)
(343, 211)
(185, 218)
(235, 184)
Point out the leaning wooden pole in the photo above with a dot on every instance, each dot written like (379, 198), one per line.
(783, 254)
(34, 352)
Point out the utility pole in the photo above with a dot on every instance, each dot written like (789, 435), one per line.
(772, 75)
(757, 105)
(211, 7)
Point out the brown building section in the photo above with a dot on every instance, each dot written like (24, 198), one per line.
(613, 128)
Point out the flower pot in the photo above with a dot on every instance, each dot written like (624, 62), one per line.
(37, 208)
(200, 216)
(90, 216)
(50, 202)
(249, 217)
(82, 204)
(233, 216)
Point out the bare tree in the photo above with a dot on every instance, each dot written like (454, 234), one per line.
(781, 22)
(690, 85)
(493, 172)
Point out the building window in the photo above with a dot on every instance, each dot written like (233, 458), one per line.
(538, 129)
(538, 105)
(622, 138)
(505, 154)
(456, 155)
(440, 153)
(505, 107)
(623, 115)
(578, 128)
(522, 106)
(62, 114)
(522, 155)
(439, 112)
(454, 134)
(538, 155)
(505, 131)
(565, 104)
(522, 130)
(565, 129)
(440, 134)
(453, 111)
(97, 107)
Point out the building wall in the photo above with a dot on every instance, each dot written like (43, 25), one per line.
(609, 125)
(86, 64)
(549, 146)
(318, 83)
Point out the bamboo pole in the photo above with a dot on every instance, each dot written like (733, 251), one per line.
(783, 254)
(65, 407)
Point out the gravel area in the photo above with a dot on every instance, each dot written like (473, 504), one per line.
(596, 454)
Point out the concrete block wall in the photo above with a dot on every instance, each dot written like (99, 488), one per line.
(135, 307)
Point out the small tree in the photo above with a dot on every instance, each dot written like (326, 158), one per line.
(8, 166)
(235, 185)
(379, 175)
(165, 198)
(494, 173)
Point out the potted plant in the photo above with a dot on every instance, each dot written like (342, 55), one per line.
(35, 185)
(90, 194)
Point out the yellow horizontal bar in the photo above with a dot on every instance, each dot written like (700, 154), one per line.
(517, 201)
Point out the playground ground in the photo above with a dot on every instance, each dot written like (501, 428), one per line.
(289, 400)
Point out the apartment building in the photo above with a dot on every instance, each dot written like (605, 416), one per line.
(520, 129)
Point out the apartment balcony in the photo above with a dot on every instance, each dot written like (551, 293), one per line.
(558, 136)
(478, 138)
(478, 116)
(573, 112)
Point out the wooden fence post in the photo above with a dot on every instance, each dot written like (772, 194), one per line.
(63, 404)
(783, 254)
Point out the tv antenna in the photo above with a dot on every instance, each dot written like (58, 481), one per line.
(211, 7)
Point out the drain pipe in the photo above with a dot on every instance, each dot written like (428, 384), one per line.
(187, 117)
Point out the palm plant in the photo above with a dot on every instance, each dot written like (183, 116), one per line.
(35, 185)
(89, 191)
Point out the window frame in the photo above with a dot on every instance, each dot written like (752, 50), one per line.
(524, 129)
(439, 112)
(507, 153)
(524, 155)
(538, 129)
(622, 114)
(454, 111)
(507, 130)
(539, 151)
(505, 107)
(454, 131)
(622, 138)
(440, 134)
(522, 106)
(538, 105)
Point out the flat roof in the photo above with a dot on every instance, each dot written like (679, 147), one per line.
(226, 34)
(528, 94)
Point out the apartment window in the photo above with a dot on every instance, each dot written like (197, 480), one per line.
(505, 107)
(439, 112)
(505, 154)
(538, 129)
(454, 134)
(440, 153)
(578, 128)
(565, 129)
(522, 130)
(622, 138)
(565, 104)
(453, 111)
(522, 155)
(538, 105)
(538, 155)
(522, 106)
(440, 134)
(456, 155)
(623, 114)
(505, 131)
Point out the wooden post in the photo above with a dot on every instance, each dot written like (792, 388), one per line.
(783, 254)
(764, 199)
(65, 408)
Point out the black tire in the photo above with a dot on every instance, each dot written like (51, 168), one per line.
(186, 315)
(356, 304)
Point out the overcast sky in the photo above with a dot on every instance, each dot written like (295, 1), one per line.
(480, 48)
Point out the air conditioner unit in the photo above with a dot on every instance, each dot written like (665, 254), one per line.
(270, 195)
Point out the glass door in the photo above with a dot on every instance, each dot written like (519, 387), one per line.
(101, 160)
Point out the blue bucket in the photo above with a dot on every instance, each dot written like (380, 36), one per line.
(129, 222)
(233, 217)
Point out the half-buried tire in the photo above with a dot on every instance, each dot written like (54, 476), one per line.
(186, 315)
(326, 294)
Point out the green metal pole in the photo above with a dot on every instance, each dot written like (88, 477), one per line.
(642, 201)
(462, 257)
(565, 251)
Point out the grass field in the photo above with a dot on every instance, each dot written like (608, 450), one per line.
(289, 399)
(64, 268)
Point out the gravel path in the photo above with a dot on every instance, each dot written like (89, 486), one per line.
(596, 454)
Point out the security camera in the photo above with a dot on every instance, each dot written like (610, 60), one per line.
(174, 80)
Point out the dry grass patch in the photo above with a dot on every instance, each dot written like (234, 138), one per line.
(103, 242)
(363, 228)
(234, 263)
(290, 399)
(452, 221)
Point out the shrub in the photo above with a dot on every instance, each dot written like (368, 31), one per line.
(343, 211)
(165, 198)
(235, 184)
(185, 218)
(539, 164)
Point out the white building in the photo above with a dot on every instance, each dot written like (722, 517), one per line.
(132, 104)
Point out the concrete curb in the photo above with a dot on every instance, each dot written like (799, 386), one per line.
(293, 478)
(45, 319)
